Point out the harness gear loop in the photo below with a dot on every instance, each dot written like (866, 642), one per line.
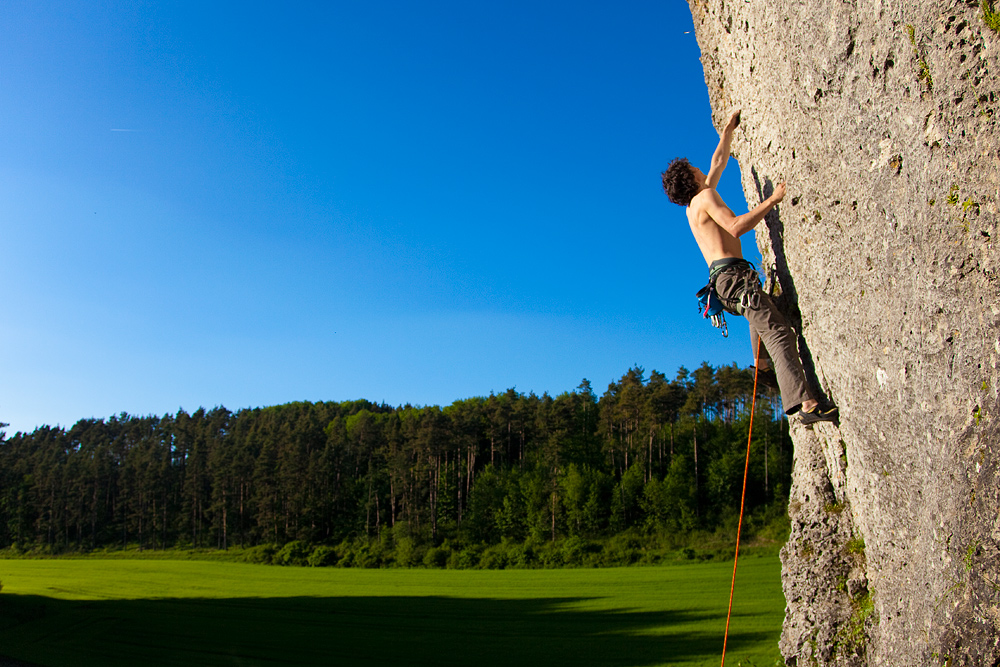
(746, 470)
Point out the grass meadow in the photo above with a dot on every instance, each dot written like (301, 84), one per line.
(170, 612)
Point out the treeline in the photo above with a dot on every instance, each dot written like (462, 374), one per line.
(650, 456)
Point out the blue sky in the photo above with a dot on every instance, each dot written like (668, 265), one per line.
(247, 204)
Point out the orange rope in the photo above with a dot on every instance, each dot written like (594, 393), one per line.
(746, 470)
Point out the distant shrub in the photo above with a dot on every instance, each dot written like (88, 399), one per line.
(322, 556)
(508, 554)
(550, 554)
(498, 556)
(622, 549)
(576, 550)
(295, 552)
(405, 552)
(494, 558)
(436, 557)
(262, 554)
(524, 555)
(360, 552)
(468, 557)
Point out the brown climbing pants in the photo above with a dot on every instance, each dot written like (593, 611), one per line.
(766, 321)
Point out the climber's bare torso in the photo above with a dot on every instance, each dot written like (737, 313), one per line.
(716, 229)
(714, 240)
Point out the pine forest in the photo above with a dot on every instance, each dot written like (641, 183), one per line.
(651, 467)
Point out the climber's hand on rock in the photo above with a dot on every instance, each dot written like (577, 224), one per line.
(734, 121)
(779, 193)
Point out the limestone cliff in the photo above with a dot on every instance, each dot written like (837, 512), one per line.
(884, 119)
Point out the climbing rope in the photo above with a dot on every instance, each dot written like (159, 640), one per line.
(746, 469)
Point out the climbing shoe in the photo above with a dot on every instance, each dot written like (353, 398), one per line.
(821, 413)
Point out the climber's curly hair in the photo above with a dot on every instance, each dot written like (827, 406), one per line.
(679, 183)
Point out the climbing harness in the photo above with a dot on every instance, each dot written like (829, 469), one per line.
(743, 496)
(747, 296)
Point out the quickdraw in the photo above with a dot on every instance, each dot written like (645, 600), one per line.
(711, 308)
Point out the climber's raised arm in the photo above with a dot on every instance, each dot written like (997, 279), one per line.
(721, 156)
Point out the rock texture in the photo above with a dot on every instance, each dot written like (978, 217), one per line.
(884, 119)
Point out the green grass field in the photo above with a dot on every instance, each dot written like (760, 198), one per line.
(148, 612)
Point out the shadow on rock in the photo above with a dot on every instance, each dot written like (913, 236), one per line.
(788, 300)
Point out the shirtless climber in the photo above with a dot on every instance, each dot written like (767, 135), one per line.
(717, 230)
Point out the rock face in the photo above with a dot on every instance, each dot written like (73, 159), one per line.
(884, 119)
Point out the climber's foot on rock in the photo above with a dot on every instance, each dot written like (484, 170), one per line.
(820, 413)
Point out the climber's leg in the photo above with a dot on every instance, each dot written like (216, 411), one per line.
(780, 342)
(777, 338)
